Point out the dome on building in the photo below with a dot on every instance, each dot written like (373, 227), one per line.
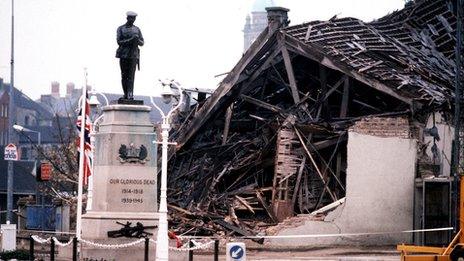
(260, 5)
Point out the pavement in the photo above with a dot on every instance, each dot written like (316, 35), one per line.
(335, 253)
(268, 253)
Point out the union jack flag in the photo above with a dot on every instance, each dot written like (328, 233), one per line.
(88, 151)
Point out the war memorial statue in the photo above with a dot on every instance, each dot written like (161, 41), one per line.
(124, 176)
(129, 38)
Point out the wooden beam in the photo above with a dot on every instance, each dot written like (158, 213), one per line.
(238, 230)
(325, 104)
(345, 99)
(225, 133)
(245, 203)
(327, 143)
(314, 164)
(298, 180)
(291, 75)
(261, 104)
(265, 206)
(328, 93)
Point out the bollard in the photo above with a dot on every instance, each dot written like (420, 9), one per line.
(52, 250)
(147, 245)
(31, 248)
(191, 251)
(216, 250)
(8, 242)
(74, 258)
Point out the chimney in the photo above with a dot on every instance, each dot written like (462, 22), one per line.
(69, 89)
(55, 89)
(276, 18)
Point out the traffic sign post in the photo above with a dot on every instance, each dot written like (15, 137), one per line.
(235, 251)
(11, 152)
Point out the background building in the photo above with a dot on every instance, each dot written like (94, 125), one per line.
(256, 22)
(33, 116)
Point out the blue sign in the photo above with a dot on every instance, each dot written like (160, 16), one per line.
(236, 252)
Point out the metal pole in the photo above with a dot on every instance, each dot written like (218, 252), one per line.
(216, 250)
(74, 258)
(81, 162)
(457, 119)
(42, 208)
(162, 244)
(9, 203)
(190, 251)
(147, 246)
(31, 248)
(52, 249)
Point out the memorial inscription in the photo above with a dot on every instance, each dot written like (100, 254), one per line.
(131, 191)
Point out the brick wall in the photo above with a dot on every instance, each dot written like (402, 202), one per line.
(383, 127)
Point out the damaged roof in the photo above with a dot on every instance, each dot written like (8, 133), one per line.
(410, 50)
(406, 55)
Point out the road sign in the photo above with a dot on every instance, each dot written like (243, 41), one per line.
(45, 171)
(11, 152)
(236, 252)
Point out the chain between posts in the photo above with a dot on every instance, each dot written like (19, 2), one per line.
(41, 240)
(117, 246)
(197, 244)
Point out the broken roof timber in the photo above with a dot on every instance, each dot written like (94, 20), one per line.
(314, 54)
(238, 74)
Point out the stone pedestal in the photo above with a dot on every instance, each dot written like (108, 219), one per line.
(124, 181)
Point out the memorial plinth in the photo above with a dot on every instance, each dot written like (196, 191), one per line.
(124, 177)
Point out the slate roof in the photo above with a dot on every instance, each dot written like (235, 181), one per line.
(23, 101)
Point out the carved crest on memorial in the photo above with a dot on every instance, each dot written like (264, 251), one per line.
(132, 154)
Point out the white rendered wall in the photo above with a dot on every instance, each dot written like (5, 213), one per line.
(379, 195)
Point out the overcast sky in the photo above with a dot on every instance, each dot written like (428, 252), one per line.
(188, 40)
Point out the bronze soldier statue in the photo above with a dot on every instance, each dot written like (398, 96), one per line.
(129, 39)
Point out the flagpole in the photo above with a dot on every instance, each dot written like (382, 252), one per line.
(81, 160)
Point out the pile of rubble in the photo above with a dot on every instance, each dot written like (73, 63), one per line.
(271, 141)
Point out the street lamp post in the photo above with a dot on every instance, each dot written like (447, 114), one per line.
(11, 120)
(22, 129)
(162, 244)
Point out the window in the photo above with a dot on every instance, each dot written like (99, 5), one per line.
(6, 111)
(26, 120)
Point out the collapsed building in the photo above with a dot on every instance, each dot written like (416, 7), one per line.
(324, 127)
